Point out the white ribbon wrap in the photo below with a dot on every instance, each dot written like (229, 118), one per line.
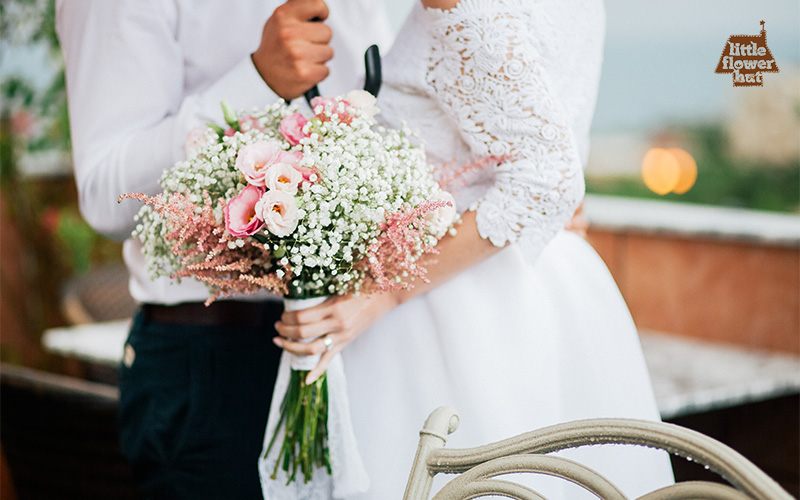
(349, 475)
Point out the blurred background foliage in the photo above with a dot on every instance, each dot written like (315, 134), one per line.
(658, 89)
(45, 241)
(724, 178)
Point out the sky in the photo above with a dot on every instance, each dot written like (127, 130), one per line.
(660, 57)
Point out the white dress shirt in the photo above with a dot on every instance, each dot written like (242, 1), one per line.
(142, 73)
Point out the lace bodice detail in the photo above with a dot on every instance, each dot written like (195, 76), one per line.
(488, 80)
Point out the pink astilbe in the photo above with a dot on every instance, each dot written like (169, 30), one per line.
(203, 247)
(401, 245)
(267, 281)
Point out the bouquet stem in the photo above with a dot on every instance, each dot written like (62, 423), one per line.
(304, 413)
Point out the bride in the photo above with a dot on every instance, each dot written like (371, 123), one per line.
(521, 325)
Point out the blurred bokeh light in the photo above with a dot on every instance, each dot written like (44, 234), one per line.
(670, 170)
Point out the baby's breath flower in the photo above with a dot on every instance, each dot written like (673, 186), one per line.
(356, 176)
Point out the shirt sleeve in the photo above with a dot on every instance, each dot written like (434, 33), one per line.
(486, 71)
(129, 114)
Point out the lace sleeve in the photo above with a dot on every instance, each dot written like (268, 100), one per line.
(486, 71)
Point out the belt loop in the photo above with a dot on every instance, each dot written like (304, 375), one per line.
(141, 318)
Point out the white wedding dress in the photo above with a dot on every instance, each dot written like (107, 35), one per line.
(539, 333)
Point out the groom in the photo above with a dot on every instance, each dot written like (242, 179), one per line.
(195, 382)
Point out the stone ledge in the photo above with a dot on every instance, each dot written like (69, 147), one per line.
(691, 376)
(692, 220)
(101, 343)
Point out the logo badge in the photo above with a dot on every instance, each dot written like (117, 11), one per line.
(747, 58)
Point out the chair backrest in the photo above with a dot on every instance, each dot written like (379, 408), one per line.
(59, 436)
(478, 467)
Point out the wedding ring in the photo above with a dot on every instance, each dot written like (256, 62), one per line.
(328, 342)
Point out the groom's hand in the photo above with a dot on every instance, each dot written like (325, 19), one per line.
(294, 49)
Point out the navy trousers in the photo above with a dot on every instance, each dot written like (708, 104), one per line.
(194, 401)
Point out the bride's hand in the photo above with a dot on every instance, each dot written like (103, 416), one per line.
(332, 324)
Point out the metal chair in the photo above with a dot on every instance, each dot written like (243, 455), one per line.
(479, 467)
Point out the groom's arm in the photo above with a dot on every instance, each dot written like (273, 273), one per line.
(129, 110)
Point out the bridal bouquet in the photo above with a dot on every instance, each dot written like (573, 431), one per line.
(306, 207)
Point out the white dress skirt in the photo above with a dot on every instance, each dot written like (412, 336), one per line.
(513, 348)
(539, 333)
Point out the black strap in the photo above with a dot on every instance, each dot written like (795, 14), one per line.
(372, 66)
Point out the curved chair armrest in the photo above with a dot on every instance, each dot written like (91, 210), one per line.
(527, 453)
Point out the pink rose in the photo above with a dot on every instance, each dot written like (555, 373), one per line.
(305, 172)
(291, 157)
(240, 212)
(331, 104)
(279, 211)
(255, 159)
(248, 122)
(325, 102)
(292, 128)
(283, 177)
(196, 139)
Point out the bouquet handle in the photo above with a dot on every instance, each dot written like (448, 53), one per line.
(347, 473)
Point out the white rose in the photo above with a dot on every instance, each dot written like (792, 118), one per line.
(442, 218)
(362, 100)
(283, 177)
(279, 211)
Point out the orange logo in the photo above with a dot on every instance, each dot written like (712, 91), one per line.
(748, 58)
